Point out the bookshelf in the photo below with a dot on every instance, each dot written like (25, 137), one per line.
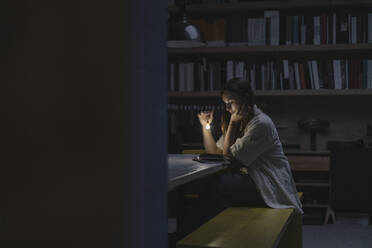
(345, 49)
(227, 8)
(296, 101)
(333, 35)
(258, 93)
(346, 108)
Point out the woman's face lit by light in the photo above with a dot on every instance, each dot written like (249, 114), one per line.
(231, 104)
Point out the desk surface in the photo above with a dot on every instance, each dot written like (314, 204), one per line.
(182, 169)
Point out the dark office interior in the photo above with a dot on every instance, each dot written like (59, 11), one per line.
(90, 111)
(325, 126)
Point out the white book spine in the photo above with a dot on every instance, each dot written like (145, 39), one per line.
(229, 70)
(314, 67)
(337, 73)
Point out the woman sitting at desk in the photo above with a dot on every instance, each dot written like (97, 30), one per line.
(250, 141)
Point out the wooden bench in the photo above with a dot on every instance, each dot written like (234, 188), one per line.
(248, 227)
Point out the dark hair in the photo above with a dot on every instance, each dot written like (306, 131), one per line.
(240, 90)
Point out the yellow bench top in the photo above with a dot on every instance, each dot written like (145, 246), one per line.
(241, 227)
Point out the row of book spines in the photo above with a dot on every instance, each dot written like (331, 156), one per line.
(272, 75)
(173, 2)
(195, 107)
(336, 28)
(331, 74)
(273, 29)
(312, 74)
(201, 76)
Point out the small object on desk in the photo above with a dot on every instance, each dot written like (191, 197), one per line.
(207, 158)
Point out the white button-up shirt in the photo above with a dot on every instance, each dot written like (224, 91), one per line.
(260, 150)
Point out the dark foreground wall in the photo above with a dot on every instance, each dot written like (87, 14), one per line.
(75, 124)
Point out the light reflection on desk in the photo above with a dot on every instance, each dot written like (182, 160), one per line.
(182, 169)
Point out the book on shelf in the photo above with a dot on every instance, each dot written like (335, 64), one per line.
(236, 33)
(285, 74)
(297, 75)
(317, 31)
(296, 30)
(288, 30)
(353, 30)
(345, 74)
(337, 74)
(314, 69)
(292, 79)
(213, 31)
(256, 31)
(369, 25)
(274, 28)
(229, 70)
(324, 33)
(322, 72)
(215, 76)
(342, 23)
(279, 74)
